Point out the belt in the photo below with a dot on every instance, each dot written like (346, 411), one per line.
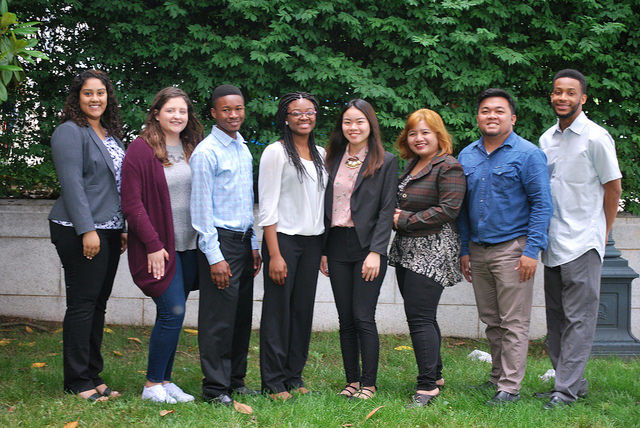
(232, 234)
(487, 244)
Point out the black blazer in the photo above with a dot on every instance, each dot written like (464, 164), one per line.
(373, 202)
(88, 190)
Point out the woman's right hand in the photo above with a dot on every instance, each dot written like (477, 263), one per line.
(277, 269)
(155, 263)
(324, 266)
(90, 244)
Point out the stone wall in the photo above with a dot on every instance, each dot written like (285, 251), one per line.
(32, 283)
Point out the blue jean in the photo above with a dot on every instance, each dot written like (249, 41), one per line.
(170, 310)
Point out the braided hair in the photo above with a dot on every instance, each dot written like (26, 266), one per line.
(287, 138)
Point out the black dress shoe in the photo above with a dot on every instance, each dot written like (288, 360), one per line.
(243, 390)
(549, 394)
(503, 397)
(222, 399)
(556, 402)
(421, 400)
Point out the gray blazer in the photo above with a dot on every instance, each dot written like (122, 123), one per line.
(88, 190)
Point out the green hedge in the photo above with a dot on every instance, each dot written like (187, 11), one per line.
(400, 55)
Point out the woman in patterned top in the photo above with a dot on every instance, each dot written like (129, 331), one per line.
(426, 247)
(156, 191)
(86, 224)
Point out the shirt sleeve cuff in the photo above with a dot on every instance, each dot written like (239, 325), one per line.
(531, 251)
(214, 256)
(254, 242)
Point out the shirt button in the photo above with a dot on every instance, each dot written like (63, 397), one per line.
(482, 178)
(481, 200)
(404, 195)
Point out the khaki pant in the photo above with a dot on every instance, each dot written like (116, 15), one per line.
(504, 305)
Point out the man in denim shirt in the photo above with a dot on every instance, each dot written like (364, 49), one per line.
(503, 227)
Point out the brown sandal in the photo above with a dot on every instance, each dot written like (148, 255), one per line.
(348, 391)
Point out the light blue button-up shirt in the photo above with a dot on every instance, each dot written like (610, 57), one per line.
(508, 195)
(221, 190)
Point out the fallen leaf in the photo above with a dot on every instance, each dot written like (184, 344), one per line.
(117, 353)
(27, 344)
(347, 425)
(135, 339)
(53, 354)
(373, 412)
(58, 331)
(403, 348)
(461, 343)
(166, 412)
(242, 408)
(73, 424)
(29, 329)
(4, 342)
(108, 330)
(11, 409)
(191, 331)
(142, 371)
(36, 365)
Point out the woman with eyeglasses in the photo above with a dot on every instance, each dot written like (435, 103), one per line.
(87, 224)
(292, 182)
(359, 205)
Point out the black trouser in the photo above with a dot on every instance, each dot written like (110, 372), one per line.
(224, 317)
(287, 313)
(356, 301)
(88, 285)
(421, 295)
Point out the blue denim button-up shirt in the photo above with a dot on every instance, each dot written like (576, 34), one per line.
(508, 195)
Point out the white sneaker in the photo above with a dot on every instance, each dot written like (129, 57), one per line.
(177, 393)
(158, 394)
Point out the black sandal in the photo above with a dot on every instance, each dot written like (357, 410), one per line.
(364, 394)
(348, 391)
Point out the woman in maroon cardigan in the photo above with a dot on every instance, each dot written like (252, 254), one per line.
(156, 189)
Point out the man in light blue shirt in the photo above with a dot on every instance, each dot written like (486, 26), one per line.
(503, 226)
(222, 214)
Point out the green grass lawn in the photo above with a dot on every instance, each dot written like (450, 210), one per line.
(32, 396)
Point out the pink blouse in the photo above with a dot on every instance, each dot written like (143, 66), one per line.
(343, 185)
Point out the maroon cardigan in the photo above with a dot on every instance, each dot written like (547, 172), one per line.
(147, 207)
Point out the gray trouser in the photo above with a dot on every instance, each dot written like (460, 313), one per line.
(572, 292)
(504, 305)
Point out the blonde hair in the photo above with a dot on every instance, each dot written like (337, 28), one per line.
(434, 122)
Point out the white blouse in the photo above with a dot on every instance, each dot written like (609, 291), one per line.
(296, 206)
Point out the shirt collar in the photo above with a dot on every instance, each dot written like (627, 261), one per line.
(509, 141)
(221, 136)
(577, 126)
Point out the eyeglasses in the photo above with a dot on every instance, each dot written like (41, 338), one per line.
(297, 114)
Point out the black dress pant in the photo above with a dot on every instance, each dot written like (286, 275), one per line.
(88, 285)
(356, 301)
(287, 313)
(224, 317)
(421, 296)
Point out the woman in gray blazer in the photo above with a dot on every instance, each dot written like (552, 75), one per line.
(359, 205)
(87, 224)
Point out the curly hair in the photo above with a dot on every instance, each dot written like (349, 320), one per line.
(287, 137)
(434, 122)
(338, 142)
(154, 136)
(110, 118)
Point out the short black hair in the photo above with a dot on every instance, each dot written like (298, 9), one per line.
(573, 74)
(496, 92)
(223, 91)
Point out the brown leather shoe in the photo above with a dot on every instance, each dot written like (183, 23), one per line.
(281, 396)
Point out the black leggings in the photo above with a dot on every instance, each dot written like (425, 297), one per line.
(421, 295)
(356, 301)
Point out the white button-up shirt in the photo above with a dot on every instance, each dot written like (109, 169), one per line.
(581, 159)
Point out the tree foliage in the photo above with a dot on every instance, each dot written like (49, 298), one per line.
(398, 54)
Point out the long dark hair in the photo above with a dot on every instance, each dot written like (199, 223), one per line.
(338, 143)
(287, 138)
(110, 119)
(153, 134)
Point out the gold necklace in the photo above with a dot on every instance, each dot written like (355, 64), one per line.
(353, 162)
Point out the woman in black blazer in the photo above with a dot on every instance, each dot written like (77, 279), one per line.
(87, 224)
(359, 205)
